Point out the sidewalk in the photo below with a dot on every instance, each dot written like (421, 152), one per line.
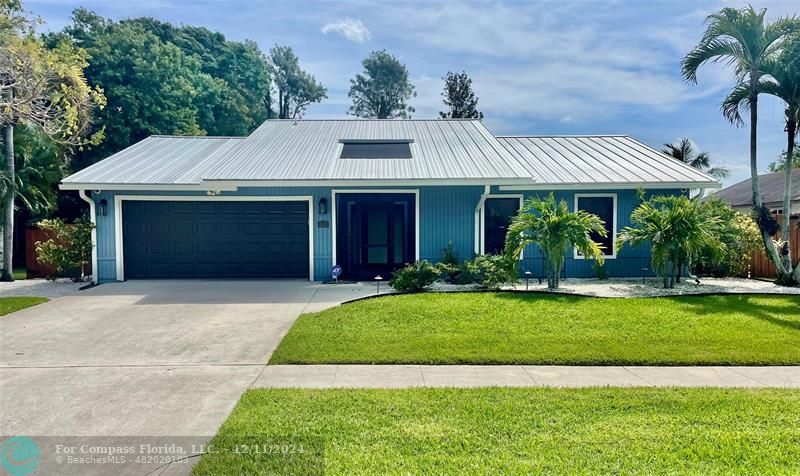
(403, 376)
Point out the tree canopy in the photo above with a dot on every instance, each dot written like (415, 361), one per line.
(780, 164)
(42, 91)
(459, 97)
(295, 88)
(684, 150)
(383, 89)
(162, 79)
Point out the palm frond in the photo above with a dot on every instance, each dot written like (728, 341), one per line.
(716, 50)
(736, 104)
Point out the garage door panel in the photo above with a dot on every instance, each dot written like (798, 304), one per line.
(207, 239)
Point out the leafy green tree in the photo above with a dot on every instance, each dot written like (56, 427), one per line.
(42, 88)
(383, 89)
(296, 89)
(162, 79)
(744, 40)
(780, 164)
(684, 151)
(459, 97)
(40, 163)
(553, 228)
(740, 236)
(237, 102)
(150, 85)
(678, 229)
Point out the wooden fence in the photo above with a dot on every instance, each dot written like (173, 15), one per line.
(762, 267)
(35, 269)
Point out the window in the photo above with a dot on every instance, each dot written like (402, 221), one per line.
(604, 205)
(497, 215)
(376, 149)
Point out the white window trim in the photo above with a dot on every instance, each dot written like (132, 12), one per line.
(334, 192)
(482, 219)
(613, 254)
(118, 199)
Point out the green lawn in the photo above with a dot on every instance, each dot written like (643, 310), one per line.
(514, 328)
(16, 303)
(510, 431)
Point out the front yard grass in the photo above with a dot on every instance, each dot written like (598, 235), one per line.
(515, 328)
(17, 303)
(510, 431)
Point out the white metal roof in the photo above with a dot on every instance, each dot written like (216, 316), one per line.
(599, 160)
(157, 160)
(443, 151)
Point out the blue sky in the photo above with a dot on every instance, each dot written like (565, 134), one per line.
(539, 67)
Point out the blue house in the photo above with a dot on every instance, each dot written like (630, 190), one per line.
(296, 197)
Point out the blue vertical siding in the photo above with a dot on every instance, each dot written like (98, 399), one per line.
(447, 216)
(629, 260)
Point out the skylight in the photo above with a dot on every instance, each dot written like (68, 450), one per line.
(376, 149)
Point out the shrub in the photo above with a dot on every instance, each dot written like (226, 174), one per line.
(599, 269)
(448, 267)
(740, 236)
(68, 249)
(415, 277)
(449, 255)
(448, 272)
(492, 271)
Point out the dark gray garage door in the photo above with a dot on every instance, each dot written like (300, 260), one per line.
(210, 239)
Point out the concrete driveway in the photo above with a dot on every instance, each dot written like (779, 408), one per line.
(146, 357)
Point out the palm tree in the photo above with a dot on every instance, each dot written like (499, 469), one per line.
(744, 40)
(684, 151)
(678, 229)
(783, 82)
(551, 226)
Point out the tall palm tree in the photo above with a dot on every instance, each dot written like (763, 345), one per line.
(683, 150)
(744, 40)
(782, 81)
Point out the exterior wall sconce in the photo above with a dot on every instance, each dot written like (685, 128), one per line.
(102, 207)
(323, 206)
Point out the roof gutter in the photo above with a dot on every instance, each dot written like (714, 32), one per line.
(93, 217)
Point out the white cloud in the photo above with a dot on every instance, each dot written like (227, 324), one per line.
(348, 28)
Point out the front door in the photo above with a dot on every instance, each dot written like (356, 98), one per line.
(374, 234)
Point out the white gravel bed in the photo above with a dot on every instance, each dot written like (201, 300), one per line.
(40, 287)
(632, 287)
(442, 287)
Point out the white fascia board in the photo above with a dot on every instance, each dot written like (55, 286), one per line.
(148, 187)
(610, 186)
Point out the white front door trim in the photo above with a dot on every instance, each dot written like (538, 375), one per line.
(415, 192)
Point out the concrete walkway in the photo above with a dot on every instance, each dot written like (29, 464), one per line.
(404, 376)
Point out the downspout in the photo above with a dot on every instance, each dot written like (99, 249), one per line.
(479, 219)
(93, 218)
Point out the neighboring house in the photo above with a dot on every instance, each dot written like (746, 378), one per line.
(740, 195)
(296, 197)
